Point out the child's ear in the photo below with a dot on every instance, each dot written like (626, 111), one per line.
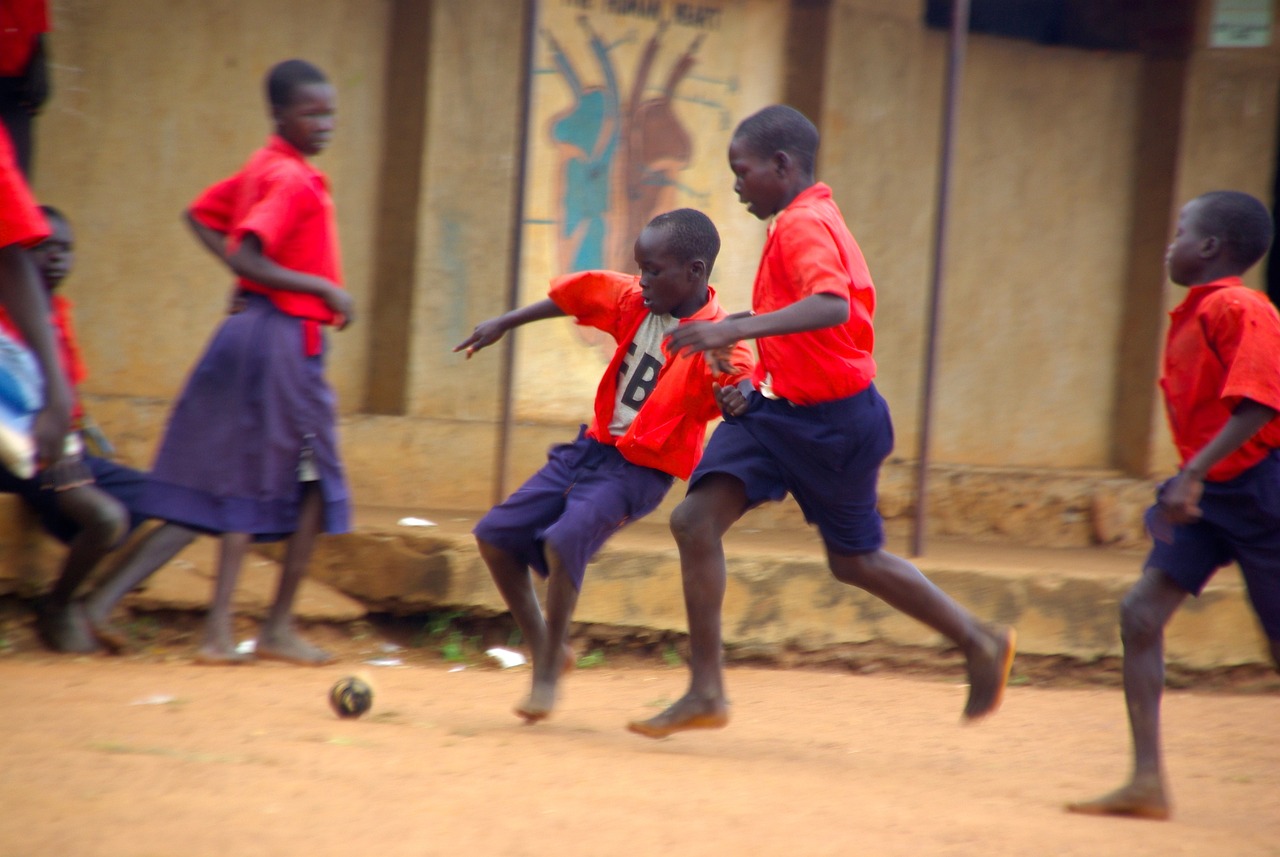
(698, 269)
(782, 162)
(1210, 247)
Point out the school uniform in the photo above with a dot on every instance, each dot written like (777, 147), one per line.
(257, 416)
(1223, 346)
(647, 428)
(816, 427)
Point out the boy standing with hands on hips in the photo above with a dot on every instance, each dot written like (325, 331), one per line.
(811, 424)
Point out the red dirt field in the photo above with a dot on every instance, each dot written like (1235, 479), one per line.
(152, 756)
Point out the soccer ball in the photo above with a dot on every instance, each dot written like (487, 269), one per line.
(350, 697)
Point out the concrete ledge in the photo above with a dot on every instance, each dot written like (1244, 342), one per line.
(1062, 602)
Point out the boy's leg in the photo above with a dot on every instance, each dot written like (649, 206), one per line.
(1144, 613)
(278, 639)
(218, 645)
(101, 522)
(515, 585)
(157, 548)
(988, 653)
(699, 524)
(553, 654)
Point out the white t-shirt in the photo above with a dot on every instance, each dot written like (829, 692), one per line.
(639, 371)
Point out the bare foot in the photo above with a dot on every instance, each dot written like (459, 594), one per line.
(112, 638)
(65, 629)
(541, 700)
(213, 656)
(539, 704)
(988, 675)
(1134, 800)
(688, 712)
(294, 650)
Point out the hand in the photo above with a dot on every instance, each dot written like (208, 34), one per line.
(703, 336)
(731, 400)
(1180, 499)
(720, 360)
(339, 300)
(485, 334)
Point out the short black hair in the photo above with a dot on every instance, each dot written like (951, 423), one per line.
(690, 235)
(1240, 221)
(287, 76)
(51, 213)
(779, 128)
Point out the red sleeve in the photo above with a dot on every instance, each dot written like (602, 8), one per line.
(214, 208)
(1244, 332)
(595, 298)
(20, 219)
(68, 345)
(811, 257)
(275, 212)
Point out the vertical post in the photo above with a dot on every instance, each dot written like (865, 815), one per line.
(955, 66)
(507, 381)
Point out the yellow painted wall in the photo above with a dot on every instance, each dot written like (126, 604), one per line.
(152, 101)
(155, 99)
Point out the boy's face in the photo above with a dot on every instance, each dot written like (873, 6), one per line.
(307, 122)
(55, 255)
(670, 287)
(759, 182)
(1191, 248)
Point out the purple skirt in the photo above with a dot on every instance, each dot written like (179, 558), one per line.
(254, 408)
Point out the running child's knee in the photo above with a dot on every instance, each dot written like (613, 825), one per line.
(1138, 622)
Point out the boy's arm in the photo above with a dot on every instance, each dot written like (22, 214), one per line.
(248, 262)
(24, 298)
(812, 313)
(490, 331)
(214, 240)
(1180, 501)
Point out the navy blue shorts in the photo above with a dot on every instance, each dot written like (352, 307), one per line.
(123, 483)
(827, 456)
(585, 493)
(1241, 524)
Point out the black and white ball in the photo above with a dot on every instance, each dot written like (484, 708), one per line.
(350, 696)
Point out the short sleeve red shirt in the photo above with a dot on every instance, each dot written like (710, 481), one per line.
(20, 219)
(810, 251)
(283, 200)
(21, 21)
(670, 427)
(1223, 345)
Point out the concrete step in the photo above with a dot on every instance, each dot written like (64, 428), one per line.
(780, 594)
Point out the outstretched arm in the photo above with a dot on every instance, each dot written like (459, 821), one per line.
(1180, 500)
(490, 331)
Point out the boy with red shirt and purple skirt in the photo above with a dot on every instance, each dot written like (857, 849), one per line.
(809, 423)
(1221, 384)
(651, 413)
(250, 452)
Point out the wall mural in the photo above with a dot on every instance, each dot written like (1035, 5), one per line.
(632, 107)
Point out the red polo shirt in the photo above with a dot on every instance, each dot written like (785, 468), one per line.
(21, 221)
(21, 21)
(810, 251)
(1223, 346)
(285, 201)
(670, 427)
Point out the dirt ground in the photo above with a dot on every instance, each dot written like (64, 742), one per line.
(149, 755)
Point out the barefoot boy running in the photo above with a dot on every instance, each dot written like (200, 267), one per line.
(813, 424)
(651, 414)
(1221, 383)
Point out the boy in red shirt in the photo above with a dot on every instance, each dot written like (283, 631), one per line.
(808, 422)
(85, 502)
(251, 450)
(1221, 384)
(651, 413)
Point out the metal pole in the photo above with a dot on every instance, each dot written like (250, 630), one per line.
(507, 380)
(955, 66)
